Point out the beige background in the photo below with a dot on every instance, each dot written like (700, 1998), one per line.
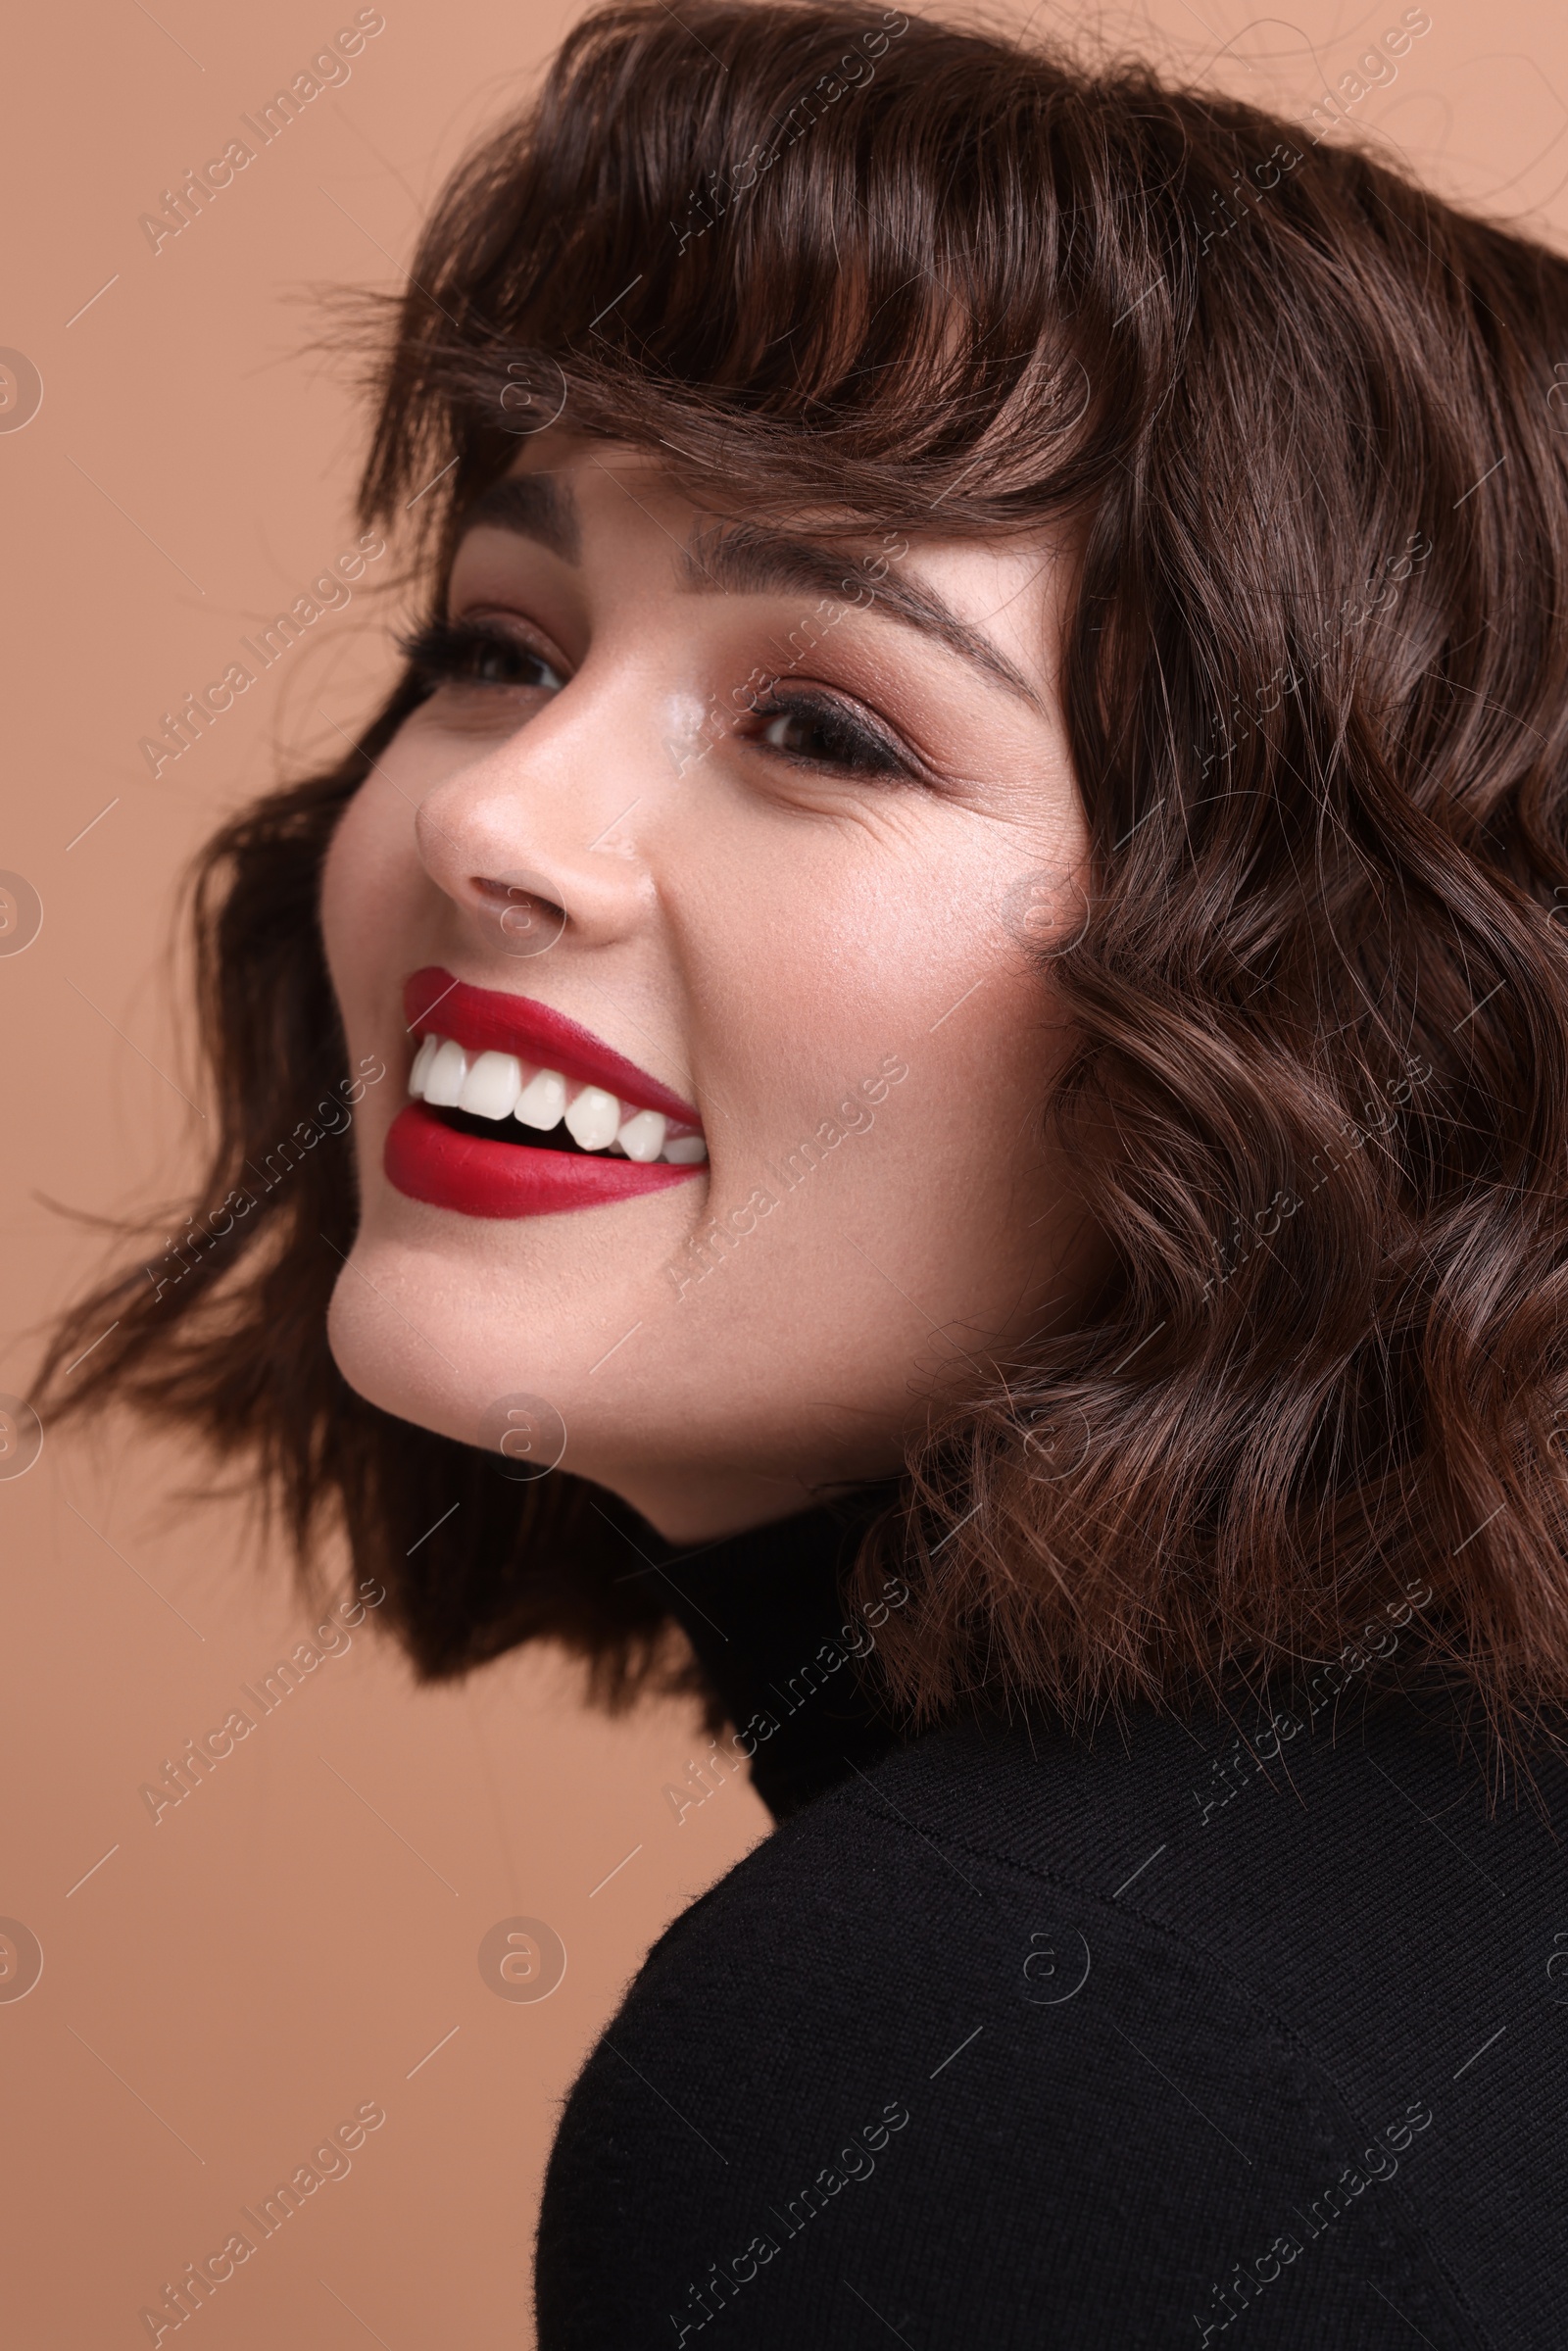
(224, 1987)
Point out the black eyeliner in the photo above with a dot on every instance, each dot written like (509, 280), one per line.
(838, 718)
(446, 652)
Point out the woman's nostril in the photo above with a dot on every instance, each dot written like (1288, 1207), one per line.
(526, 918)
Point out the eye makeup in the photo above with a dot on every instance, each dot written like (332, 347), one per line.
(847, 739)
(475, 653)
(807, 726)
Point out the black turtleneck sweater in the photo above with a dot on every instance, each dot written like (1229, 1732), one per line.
(1250, 2032)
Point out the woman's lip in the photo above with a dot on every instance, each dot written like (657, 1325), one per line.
(429, 1161)
(486, 1019)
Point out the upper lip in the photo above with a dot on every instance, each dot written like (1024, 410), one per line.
(487, 1020)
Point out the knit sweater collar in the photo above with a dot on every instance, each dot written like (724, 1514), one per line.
(784, 1653)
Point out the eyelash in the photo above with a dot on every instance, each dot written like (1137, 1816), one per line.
(450, 653)
(869, 751)
(454, 651)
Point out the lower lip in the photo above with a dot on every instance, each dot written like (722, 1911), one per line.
(432, 1163)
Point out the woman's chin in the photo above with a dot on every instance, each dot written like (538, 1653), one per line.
(409, 1345)
(588, 1380)
(538, 1371)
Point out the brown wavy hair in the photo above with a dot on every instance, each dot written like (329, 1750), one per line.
(1302, 419)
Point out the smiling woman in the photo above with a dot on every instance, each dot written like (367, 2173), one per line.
(891, 798)
(960, 883)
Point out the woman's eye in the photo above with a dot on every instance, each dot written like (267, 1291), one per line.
(823, 733)
(467, 652)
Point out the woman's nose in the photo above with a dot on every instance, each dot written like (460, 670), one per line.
(520, 837)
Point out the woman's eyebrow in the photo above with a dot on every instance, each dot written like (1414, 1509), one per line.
(743, 558)
(533, 505)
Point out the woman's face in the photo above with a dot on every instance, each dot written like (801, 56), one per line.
(721, 840)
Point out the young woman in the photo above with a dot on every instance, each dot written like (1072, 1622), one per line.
(958, 903)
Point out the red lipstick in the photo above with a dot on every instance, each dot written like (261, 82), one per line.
(428, 1160)
(432, 1163)
(484, 1020)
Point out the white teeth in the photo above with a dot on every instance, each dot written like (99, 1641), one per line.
(492, 1085)
(421, 1063)
(641, 1135)
(443, 1080)
(592, 1117)
(496, 1085)
(543, 1100)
